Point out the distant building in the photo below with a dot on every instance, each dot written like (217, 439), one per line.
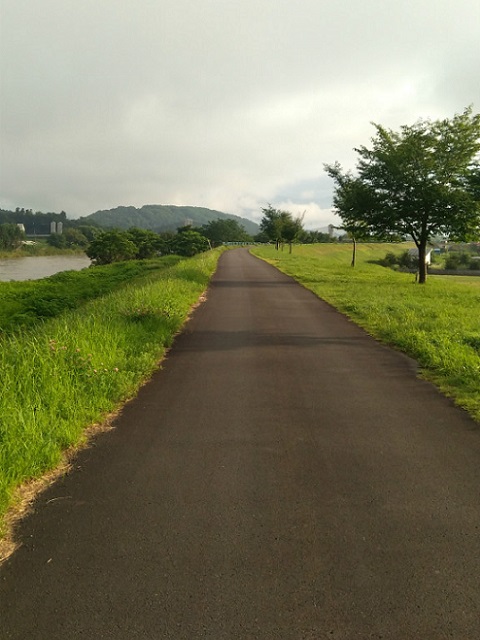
(413, 253)
(21, 226)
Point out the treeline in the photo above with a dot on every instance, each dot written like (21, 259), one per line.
(104, 246)
(141, 244)
(34, 223)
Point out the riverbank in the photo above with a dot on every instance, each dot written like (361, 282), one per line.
(41, 248)
(69, 372)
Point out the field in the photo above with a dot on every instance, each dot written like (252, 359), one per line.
(438, 323)
(62, 374)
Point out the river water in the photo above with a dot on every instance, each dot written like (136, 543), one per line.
(37, 267)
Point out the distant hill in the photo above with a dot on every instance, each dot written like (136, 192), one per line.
(162, 217)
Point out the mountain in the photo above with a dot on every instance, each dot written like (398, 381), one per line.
(162, 217)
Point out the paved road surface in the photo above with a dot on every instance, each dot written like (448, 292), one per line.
(284, 476)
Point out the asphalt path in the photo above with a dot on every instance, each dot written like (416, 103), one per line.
(282, 476)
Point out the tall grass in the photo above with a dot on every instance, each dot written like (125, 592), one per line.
(70, 371)
(438, 324)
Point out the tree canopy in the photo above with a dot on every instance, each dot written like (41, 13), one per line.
(420, 181)
(188, 243)
(218, 231)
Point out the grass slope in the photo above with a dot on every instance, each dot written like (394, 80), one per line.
(437, 324)
(26, 303)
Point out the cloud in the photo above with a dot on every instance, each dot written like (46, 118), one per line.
(222, 104)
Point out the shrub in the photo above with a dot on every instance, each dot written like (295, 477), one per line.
(458, 260)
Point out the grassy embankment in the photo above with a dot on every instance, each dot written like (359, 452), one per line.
(438, 324)
(64, 373)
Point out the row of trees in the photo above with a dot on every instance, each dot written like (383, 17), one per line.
(419, 182)
(141, 244)
(280, 226)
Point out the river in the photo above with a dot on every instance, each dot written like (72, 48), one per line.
(37, 267)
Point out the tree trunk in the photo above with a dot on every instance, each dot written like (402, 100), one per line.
(354, 254)
(422, 265)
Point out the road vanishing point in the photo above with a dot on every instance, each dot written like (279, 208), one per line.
(283, 475)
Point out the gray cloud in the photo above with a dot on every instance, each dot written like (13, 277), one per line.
(216, 103)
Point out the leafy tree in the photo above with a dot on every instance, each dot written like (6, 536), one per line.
(11, 236)
(89, 231)
(75, 238)
(57, 240)
(189, 243)
(148, 243)
(185, 227)
(421, 181)
(290, 228)
(280, 226)
(111, 246)
(229, 230)
(271, 224)
(71, 238)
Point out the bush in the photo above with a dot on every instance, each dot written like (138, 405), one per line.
(390, 259)
(458, 260)
(189, 243)
(405, 259)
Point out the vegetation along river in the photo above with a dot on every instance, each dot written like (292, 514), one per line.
(36, 267)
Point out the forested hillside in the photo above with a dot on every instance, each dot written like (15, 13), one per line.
(163, 218)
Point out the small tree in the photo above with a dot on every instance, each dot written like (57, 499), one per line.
(290, 229)
(11, 236)
(280, 226)
(421, 181)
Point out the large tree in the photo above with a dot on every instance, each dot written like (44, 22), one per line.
(420, 181)
(148, 243)
(228, 230)
(111, 246)
(188, 242)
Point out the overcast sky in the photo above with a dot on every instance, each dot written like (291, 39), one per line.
(227, 104)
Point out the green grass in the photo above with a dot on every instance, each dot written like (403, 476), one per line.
(69, 372)
(438, 323)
